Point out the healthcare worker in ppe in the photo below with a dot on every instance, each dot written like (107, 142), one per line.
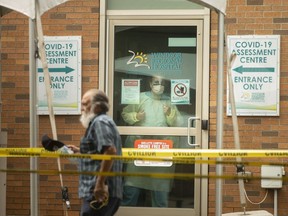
(154, 110)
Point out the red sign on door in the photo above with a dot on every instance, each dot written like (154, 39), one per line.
(153, 144)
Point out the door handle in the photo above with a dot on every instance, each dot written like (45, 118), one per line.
(190, 122)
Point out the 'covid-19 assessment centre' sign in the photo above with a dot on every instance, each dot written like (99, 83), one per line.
(64, 63)
(255, 74)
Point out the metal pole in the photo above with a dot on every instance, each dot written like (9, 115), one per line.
(0, 78)
(275, 202)
(240, 167)
(3, 144)
(33, 120)
(219, 118)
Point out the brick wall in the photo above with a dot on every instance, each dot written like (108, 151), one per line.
(251, 17)
(263, 17)
(72, 18)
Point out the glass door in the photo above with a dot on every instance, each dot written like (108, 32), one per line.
(155, 83)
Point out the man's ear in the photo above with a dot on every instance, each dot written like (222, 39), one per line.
(97, 108)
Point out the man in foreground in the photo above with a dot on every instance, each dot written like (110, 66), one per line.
(101, 195)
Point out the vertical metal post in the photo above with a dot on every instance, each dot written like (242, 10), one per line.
(0, 79)
(3, 175)
(275, 202)
(33, 120)
(102, 46)
(219, 119)
(3, 144)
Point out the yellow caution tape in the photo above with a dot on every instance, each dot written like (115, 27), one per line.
(183, 156)
(178, 156)
(181, 176)
(150, 153)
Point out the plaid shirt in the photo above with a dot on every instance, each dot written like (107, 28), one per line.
(102, 132)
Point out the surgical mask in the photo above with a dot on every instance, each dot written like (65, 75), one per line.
(157, 89)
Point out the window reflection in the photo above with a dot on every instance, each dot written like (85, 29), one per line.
(154, 86)
(157, 192)
(144, 52)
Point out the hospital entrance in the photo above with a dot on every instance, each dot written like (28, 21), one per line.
(155, 80)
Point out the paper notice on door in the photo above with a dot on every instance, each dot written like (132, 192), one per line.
(153, 144)
(130, 91)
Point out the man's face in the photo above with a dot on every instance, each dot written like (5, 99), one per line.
(86, 104)
(86, 111)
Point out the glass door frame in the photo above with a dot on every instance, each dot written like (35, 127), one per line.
(106, 76)
(110, 79)
(179, 131)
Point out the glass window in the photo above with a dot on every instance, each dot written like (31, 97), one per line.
(154, 62)
(169, 192)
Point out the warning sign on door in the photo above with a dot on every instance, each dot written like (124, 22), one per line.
(153, 144)
(180, 91)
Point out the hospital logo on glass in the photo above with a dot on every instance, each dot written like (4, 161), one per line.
(157, 61)
(139, 59)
